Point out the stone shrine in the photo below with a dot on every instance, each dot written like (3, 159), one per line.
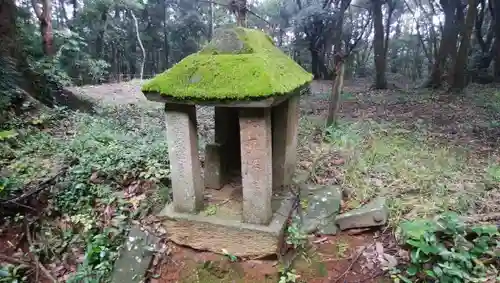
(239, 205)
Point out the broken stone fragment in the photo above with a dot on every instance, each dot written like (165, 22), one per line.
(321, 207)
(373, 214)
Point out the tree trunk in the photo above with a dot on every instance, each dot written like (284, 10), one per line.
(458, 77)
(448, 42)
(44, 15)
(75, 8)
(337, 86)
(166, 44)
(210, 20)
(495, 11)
(140, 44)
(315, 63)
(240, 9)
(29, 84)
(378, 46)
(99, 43)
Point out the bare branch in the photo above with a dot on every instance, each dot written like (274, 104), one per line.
(37, 8)
(136, 24)
(420, 37)
(352, 46)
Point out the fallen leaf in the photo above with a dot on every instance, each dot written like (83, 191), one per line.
(388, 262)
(320, 241)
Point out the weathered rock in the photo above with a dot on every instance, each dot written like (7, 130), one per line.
(374, 213)
(323, 205)
(213, 166)
(135, 257)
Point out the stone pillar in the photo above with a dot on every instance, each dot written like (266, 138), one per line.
(182, 140)
(227, 135)
(214, 175)
(256, 164)
(285, 125)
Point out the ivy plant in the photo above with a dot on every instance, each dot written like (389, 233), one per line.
(445, 250)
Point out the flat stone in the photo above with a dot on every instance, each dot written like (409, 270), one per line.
(135, 257)
(323, 205)
(373, 214)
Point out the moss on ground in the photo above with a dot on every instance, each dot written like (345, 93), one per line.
(239, 64)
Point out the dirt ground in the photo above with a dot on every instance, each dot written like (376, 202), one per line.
(340, 258)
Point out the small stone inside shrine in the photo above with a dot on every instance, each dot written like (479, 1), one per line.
(240, 204)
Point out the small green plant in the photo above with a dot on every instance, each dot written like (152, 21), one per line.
(10, 273)
(295, 236)
(288, 276)
(7, 134)
(445, 250)
(211, 210)
(230, 256)
(341, 248)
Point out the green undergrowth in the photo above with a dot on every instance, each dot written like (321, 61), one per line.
(239, 64)
(117, 170)
(446, 250)
(420, 177)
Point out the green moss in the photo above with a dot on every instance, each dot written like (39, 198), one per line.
(239, 64)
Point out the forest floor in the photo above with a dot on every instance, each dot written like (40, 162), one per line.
(425, 151)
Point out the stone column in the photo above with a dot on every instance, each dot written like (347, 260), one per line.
(182, 140)
(285, 125)
(256, 164)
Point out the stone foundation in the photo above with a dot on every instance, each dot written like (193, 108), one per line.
(225, 230)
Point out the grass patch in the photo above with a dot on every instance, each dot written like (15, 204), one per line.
(419, 177)
(117, 171)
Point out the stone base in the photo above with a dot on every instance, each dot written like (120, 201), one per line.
(225, 232)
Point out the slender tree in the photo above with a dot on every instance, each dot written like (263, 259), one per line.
(43, 12)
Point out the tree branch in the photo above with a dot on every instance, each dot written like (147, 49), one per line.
(140, 43)
(47, 9)
(356, 41)
(420, 37)
(38, 10)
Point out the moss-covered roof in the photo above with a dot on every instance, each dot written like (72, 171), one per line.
(238, 64)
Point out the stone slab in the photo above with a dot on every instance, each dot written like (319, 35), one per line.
(323, 205)
(213, 171)
(211, 233)
(135, 257)
(372, 214)
(263, 103)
